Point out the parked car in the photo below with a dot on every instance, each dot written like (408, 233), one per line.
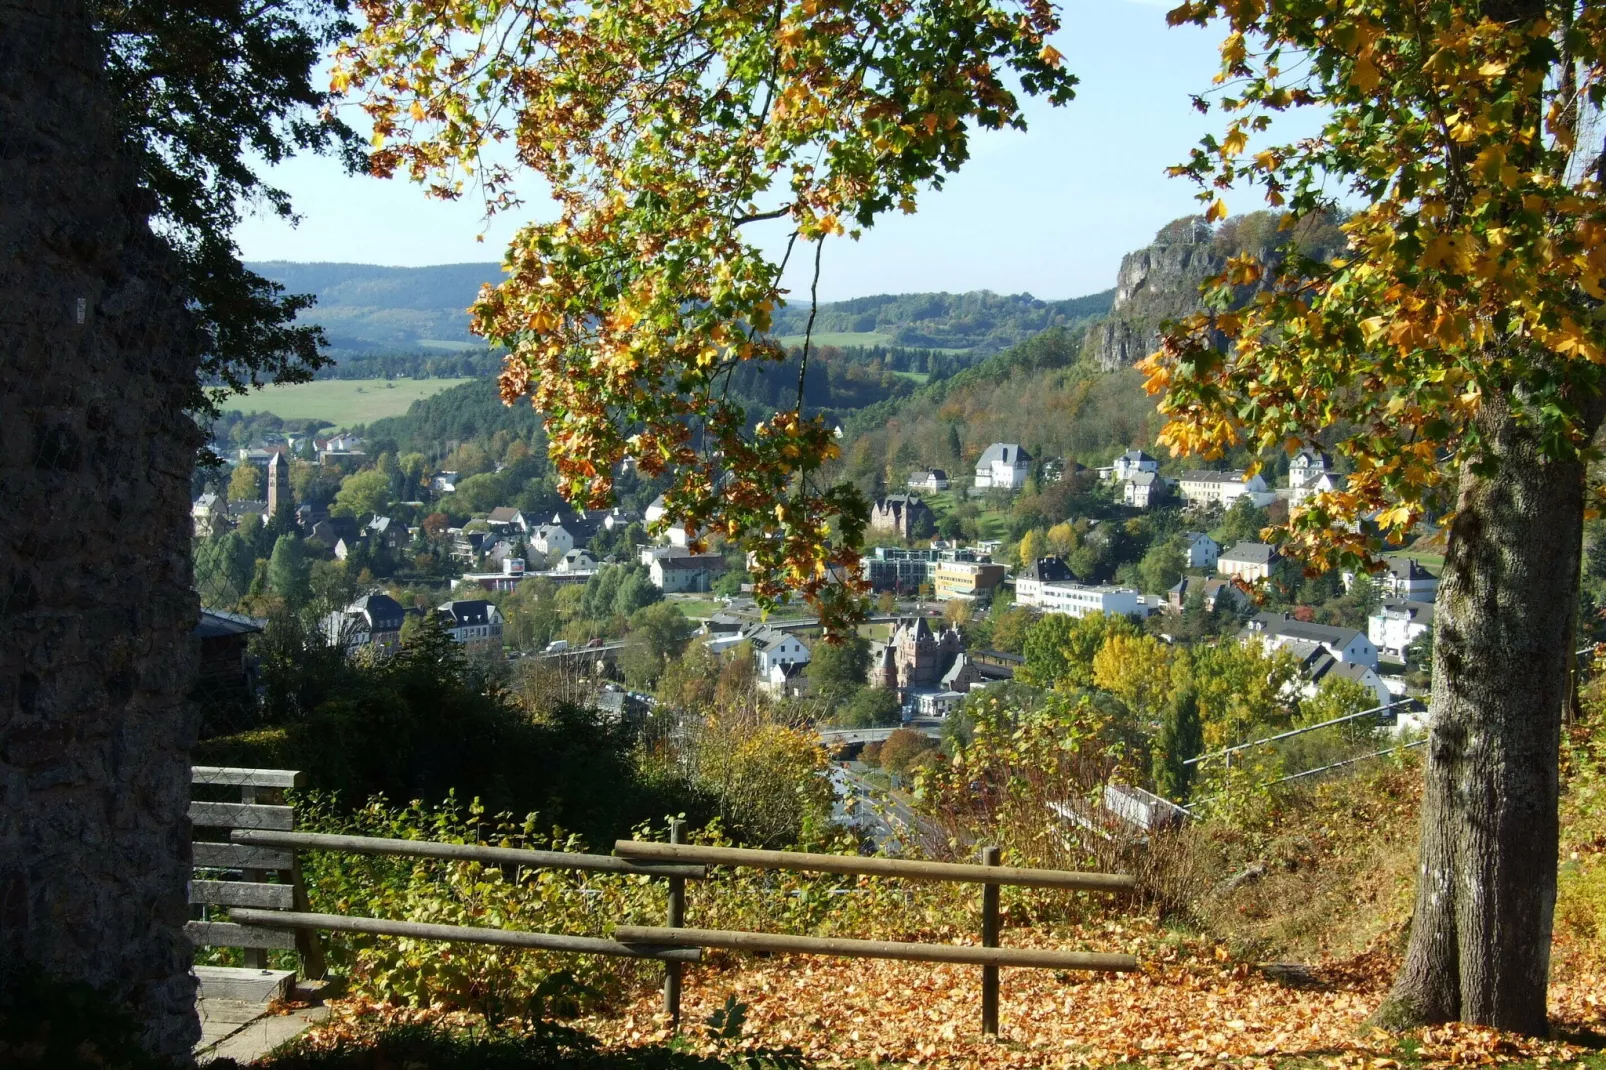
(557, 646)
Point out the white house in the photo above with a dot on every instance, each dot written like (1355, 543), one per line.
(1202, 551)
(1249, 561)
(1078, 600)
(1130, 464)
(1004, 466)
(1223, 488)
(931, 482)
(210, 515)
(1029, 582)
(443, 482)
(575, 561)
(551, 540)
(935, 704)
(1277, 630)
(679, 571)
(772, 648)
(507, 518)
(1320, 665)
(474, 622)
(1407, 580)
(1396, 625)
(1305, 471)
(1143, 489)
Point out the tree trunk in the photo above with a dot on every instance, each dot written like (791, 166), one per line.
(97, 363)
(1486, 876)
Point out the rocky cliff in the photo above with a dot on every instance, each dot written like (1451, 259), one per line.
(1157, 283)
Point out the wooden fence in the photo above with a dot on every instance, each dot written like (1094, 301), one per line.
(674, 943)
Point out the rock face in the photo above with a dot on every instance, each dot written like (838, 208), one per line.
(97, 364)
(1155, 284)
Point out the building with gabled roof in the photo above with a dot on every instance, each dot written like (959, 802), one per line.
(1249, 561)
(903, 515)
(474, 622)
(1003, 466)
(1277, 630)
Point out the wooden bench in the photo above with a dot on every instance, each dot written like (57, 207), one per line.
(236, 875)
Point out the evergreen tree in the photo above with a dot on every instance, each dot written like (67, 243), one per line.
(289, 572)
(956, 450)
(1181, 737)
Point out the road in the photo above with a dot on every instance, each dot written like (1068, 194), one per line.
(884, 816)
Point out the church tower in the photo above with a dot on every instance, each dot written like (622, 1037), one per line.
(278, 484)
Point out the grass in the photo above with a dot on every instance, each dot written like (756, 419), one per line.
(694, 608)
(921, 378)
(839, 338)
(341, 402)
(455, 347)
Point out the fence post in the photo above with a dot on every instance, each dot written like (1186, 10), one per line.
(253, 957)
(989, 938)
(674, 918)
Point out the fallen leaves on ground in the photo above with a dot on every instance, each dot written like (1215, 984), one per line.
(1187, 1006)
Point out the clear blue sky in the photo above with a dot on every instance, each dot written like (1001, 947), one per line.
(1049, 211)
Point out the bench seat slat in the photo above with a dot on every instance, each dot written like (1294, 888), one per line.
(242, 816)
(228, 934)
(242, 894)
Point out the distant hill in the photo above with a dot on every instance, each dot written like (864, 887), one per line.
(368, 308)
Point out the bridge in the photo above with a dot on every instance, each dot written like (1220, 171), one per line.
(844, 737)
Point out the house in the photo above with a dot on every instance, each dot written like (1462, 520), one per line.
(335, 529)
(210, 515)
(507, 518)
(1213, 590)
(1130, 464)
(552, 540)
(1319, 665)
(929, 481)
(656, 511)
(1003, 466)
(1309, 472)
(772, 647)
(967, 580)
(374, 620)
(248, 513)
(1143, 490)
(1249, 561)
(1276, 630)
(473, 622)
(619, 518)
(575, 561)
(1396, 625)
(903, 515)
(1405, 579)
(1223, 488)
(681, 571)
(308, 515)
(581, 524)
(914, 656)
(444, 482)
(935, 704)
(899, 568)
(1078, 600)
(1030, 580)
(1200, 549)
(785, 679)
(388, 533)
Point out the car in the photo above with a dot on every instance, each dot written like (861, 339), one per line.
(557, 646)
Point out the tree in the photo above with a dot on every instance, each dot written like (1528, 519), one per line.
(289, 572)
(835, 671)
(1162, 566)
(1135, 669)
(1059, 649)
(905, 749)
(1458, 341)
(246, 483)
(206, 94)
(623, 317)
(1181, 737)
(870, 707)
(1010, 627)
(362, 494)
(223, 567)
(636, 591)
(1243, 522)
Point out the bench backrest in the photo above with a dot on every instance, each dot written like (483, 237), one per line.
(237, 875)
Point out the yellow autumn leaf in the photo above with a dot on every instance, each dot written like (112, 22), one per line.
(1217, 211)
(1050, 55)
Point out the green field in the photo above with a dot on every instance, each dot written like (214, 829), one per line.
(340, 402)
(920, 378)
(839, 338)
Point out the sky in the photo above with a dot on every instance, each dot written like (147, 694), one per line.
(1050, 211)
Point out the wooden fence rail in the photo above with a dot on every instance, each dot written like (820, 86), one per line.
(675, 945)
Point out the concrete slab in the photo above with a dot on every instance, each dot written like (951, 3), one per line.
(256, 1038)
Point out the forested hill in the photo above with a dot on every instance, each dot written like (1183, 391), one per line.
(369, 309)
(978, 323)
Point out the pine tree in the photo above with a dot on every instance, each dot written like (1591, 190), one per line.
(289, 572)
(1181, 737)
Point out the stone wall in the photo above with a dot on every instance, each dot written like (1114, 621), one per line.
(96, 363)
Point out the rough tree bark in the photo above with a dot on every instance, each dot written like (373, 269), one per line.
(1486, 874)
(96, 362)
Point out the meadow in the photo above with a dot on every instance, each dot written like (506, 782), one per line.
(340, 402)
